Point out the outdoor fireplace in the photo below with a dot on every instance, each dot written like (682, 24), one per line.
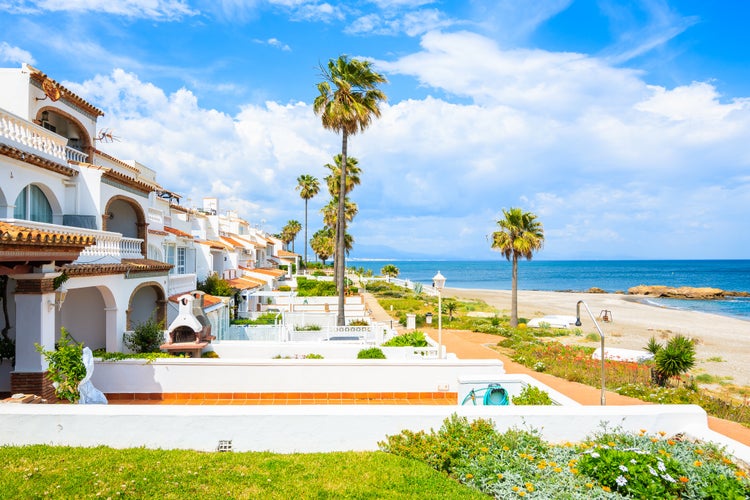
(190, 331)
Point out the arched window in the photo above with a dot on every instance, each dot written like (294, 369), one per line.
(32, 204)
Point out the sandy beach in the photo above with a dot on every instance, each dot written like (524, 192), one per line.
(633, 323)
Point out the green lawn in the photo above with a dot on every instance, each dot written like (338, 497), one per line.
(63, 472)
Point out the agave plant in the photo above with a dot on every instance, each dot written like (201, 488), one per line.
(675, 358)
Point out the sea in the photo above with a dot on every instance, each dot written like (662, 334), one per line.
(579, 276)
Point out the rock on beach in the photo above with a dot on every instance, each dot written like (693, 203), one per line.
(683, 292)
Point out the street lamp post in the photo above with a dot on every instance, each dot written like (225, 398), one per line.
(438, 281)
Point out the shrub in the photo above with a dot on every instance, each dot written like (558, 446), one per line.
(66, 369)
(263, 319)
(674, 359)
(285, 288)
(359, 322)
(215, 285)
(314, 356)
(371, 353)
(210, 354)
(412, 339)
(532, 395)
(307, 328)
(146, 337)
(314, 288)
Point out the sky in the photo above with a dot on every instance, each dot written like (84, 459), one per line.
(623, 125)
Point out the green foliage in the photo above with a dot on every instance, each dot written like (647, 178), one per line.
(441, 450)
(532, 395)
(652, 346)
(315, 288)
(215, 285)
(450, 306)
(263, 319)
(371, 353)
(146, 337)
(413, 339)
(307, 328)
(314, 356)
(359, 322)
(285, 288)
(210, 355)
(609, 464)
(66, 369)
(118, 356)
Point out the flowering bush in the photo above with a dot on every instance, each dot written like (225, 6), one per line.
(609, 464)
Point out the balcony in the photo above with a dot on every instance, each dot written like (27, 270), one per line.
(181, 283)
(31, 138)
(110, 248)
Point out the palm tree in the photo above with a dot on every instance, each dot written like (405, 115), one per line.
(348, 101)
(520, 235)
(308, 186)
(389, 270)
(290, 231)
(352, 175)
(322, 243)
(330, 212)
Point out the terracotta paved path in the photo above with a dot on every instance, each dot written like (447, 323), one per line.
(473, 345)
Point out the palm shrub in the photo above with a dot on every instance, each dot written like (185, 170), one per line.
(673, 359)
(412, 339)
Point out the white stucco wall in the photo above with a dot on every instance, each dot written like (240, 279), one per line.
(313, 428)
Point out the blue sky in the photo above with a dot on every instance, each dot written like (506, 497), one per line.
(622, 125)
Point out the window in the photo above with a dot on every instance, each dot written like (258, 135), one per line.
(31, 204)
(181, 258)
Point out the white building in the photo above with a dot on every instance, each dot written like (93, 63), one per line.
(124, 243)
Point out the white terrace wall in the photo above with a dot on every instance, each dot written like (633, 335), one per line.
(288, 375)
(313, 428)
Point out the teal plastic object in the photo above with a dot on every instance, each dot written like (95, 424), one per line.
(494, 395)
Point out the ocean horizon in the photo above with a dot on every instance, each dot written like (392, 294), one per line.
(581, 275)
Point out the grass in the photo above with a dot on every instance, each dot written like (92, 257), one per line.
(66, 472)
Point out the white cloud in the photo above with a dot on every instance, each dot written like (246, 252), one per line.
(614, 167)
(15, 55)
(153, 9)
(411, 23)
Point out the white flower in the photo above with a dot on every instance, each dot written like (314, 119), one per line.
(652, 471)
(661, 466)
(667, 477)
(594, 455)
(621, 481)
(633, 461)
(623, 468)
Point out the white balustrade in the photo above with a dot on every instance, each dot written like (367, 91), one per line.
(109, 247)
(73, 154)
(181, 283)
(30, 137)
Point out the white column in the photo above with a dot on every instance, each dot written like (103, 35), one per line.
(35, 324)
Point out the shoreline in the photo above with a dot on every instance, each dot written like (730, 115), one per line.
(634, 322)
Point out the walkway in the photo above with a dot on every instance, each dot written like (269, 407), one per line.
(473, 345)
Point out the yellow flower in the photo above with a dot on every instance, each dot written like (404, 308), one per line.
(484, 449)
(726, 460)
(557, 469)
(469, 476)
(505, 448)
(698, 451)
(574, 471)
(697, 463)
(670, 442)
(643, 431)
(521, 493)
(662, 433)
(589, 485)
(553, 464)
(499, 476)
(740, 473)
(653, 440)
(684, 479)
(515, 488)
(530, 487)
(541, 466)
(606, 488)
(611, 443)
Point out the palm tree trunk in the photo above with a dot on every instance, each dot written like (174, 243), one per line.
(340, 233)
(305, 233)
(514, 294)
